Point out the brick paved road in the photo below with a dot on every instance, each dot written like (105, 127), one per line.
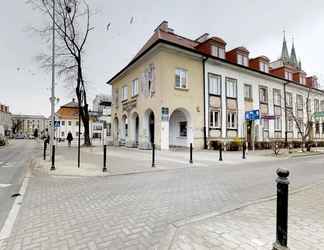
(253, 227)
(133, 211)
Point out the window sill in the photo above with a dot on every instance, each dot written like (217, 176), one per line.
(248, 99)
(124, 101)
(231, 129)
(217, 95)
(214, 128)
(233, 98)
(134, 96)
(181, 89)
(261, 102)
(181, 137)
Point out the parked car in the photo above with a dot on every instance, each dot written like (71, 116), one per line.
(20, 136)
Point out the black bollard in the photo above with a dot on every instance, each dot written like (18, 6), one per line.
(220, 152)
(104, 169)
(282, 210)
(53, 158)
(153, 155)
(45, 145)
(244, 150)
(190, 161)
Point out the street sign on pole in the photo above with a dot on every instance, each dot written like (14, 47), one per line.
(57, 124)
(252, 115)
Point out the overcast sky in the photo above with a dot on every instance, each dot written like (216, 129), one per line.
(257, 25)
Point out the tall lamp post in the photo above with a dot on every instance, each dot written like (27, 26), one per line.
(79, 133)
(53, 84)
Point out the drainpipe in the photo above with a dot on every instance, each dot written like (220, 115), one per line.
(286, 121)
(204, 98)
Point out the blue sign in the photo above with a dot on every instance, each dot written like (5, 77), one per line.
(56, 124)
(252, 115)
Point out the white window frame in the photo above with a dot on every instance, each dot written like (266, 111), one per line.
(124, 93)
(316, 105)
(242, 60)
(288, 75)
(231, 120)
(248, 86)
(181, 78)
(214, 87)
(215, 118)
(264, 67)
(265, 97)
(231, 87)
(277, 97)
(218, 51)
(135, 87)
(289, 99)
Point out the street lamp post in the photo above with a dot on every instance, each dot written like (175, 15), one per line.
(81, 94)
(53, 85)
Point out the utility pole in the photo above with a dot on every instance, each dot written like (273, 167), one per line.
(53, 84)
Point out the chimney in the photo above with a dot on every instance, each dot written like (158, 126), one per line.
(202, 38)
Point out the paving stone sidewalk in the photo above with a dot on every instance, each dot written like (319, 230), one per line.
(253, 227)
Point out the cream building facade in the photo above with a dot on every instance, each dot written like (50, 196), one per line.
(178, 91)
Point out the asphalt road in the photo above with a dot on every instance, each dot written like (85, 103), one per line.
(14, 160)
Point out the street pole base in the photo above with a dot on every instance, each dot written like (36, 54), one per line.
(104, 170)
(52, 168)
(153, 165)
(277, 246)
(191, 161)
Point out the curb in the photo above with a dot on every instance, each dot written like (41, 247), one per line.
(167, 241)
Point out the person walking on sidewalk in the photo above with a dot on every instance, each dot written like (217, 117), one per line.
(69, 138)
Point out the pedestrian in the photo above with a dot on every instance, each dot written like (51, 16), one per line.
(69, 138)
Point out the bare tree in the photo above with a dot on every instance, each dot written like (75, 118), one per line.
(72, 27)
(304, 127)
(16, 125)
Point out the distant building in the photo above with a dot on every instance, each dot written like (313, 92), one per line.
(102, 112)
(27, 124)
(5, 120)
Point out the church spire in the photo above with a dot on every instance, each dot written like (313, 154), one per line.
(284, 52)
(293, 57)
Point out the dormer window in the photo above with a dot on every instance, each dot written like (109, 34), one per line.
(242, 60)
(288, 75)
(302, 80)
(218, 51)
(264, 67)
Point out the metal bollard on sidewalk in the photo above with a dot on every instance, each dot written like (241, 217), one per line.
(244, 150)
(53, 158)
(282, 210)
(104, 169)
(153, 155)
(190, 161)
(221, 152)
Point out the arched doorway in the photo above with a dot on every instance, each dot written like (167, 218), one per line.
(116, 131)
(124, 129)
(149, 127)
(135, 129)
(180, 128)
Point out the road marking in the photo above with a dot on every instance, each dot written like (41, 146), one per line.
(9, 223)
(4, 185)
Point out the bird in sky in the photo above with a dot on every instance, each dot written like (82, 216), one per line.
(108, 26)
(132, 20)
(18, 69)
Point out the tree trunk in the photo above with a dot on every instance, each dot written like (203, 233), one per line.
(85, 120)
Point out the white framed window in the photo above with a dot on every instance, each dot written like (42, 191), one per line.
(135, 87)
(70, 123)
(214, 119)
(231, 119)
(276, 97)
(218, 51)
(322, 105)
(265, 124)
(242, 60)
(63, 123)
(124, 93)
(277, 121)
(316, 105)
(263, 94)
(215, 83)
(264, 67)
(290, 124)
(231, 87)
(288, 75)
(181, 78)
(289, 100)
(302, 80)
(248, 91)
(299, 99)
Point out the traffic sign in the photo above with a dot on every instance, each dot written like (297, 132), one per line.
(56, 124)
(252, 115)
